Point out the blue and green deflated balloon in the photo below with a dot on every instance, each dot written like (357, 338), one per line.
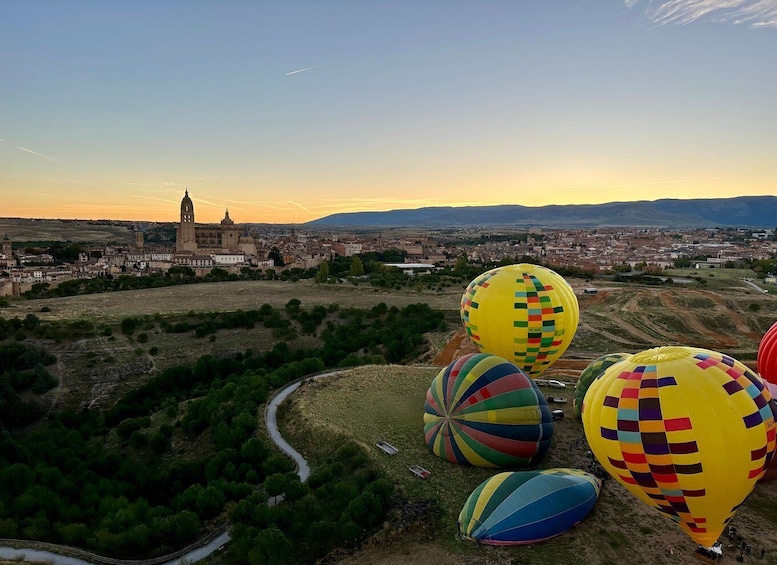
(528, 506)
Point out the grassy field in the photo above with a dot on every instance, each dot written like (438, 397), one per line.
(223, 297)
(82, 231)
(369, 404)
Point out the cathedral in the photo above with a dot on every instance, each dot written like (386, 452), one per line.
(209, 238)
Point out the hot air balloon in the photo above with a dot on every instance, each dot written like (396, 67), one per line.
(592, 372)
(528, 506)
(482, 410)
(527, 314)
(771, 468)
(767, 355)
(688, 431)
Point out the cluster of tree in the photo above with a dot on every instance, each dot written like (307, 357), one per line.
(65, 485)
(23, 370)
(55, 330)
(109, 481)
(762, 267)
(393, 333)
(342, 501)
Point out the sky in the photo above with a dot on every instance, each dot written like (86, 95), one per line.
(291, 110)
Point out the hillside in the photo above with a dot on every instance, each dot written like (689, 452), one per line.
(618, 318)
(386, 403)
(731, 317)
(745, 211)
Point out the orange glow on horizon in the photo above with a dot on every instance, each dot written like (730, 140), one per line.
(211, 202)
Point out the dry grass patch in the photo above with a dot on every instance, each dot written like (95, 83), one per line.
(369, 404)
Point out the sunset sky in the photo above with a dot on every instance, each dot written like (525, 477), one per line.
(288, 111)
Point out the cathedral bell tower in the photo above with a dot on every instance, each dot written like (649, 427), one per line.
(185, 239)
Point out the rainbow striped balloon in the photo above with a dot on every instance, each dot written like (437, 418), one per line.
(482, 410)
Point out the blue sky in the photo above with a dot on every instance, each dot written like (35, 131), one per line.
(113, 109)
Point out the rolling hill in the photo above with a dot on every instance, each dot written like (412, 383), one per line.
(744, 211)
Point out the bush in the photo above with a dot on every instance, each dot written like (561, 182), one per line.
(128, 325)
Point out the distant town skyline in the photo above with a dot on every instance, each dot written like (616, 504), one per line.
(288, 112)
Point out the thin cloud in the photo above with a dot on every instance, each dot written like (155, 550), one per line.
(152, 198)
(755, 13)
(392, 201)
(299, 71)
(36, 153)
(298, 205)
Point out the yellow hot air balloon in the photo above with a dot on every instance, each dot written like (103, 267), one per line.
(688, 431)
(524, 313)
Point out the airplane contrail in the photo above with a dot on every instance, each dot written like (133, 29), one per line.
(36, 153)
(299, 71)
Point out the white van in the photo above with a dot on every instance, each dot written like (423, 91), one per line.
(556, 384)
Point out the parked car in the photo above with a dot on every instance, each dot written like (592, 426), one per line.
(556, 384)
(558, 414)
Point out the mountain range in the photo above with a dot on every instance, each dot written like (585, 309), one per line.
(743, 211)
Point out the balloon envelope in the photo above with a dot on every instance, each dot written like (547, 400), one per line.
(592, 372)
(771, 468)
(688, 431)
(484, 411)
(525, 313)
(767, 355)
(528, 506)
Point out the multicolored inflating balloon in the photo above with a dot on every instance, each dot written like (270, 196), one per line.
(767, 355)
(592, 372)
(525, 313)
(688, 431)
(528, 506)
(482, 410)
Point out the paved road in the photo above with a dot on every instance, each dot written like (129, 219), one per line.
(303, 470)
(271, 423)
(752, 284)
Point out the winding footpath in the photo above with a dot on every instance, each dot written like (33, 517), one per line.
(63, 555)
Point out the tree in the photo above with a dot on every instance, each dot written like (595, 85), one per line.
(271, 547)
(682, 262)
(461, 264)
(275, 484)
(294, 490)
(323, 272)
(275, 255)
(357, 267)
